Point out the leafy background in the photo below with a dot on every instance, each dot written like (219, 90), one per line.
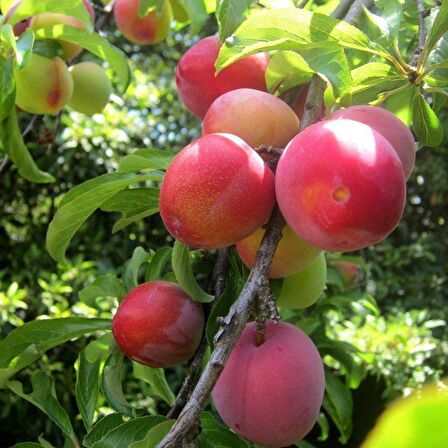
(394, 320)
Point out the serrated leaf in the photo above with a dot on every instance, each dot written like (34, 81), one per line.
(157, 381)
(145, 159)
(438, 29)
(27, 343)
(129, 432)
(292, 29)
(101, 428)
(94, 43)
(134, 205)
(111, 383)
(181, 262)
(87, 388)
(154, 435)
(132, 267)
(230, 14)
(78, 204)
(425, 122)
(157, 264)
(18, 152)
(104, 286)
(338, 404)
(44, 397)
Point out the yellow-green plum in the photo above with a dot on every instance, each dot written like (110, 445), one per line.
(91, 88)
(44, 86)
(389, 126)
(147, 30)
(217, 191)
(271, 393)
(302, 290)
(292, 254)
(257, 117)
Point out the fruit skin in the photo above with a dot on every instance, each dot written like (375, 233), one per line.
(389, 126)
(151, 29)
(271, 394)
(291, 256)
(197, 84)
(257, 117)
(340, 185)
(91, 88)
(158, 325)
(44, 86)
(217, 191)
(302, 290)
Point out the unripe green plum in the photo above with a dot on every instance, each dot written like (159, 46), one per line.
(44, 86)
(271, 393)
(91, 88)
(291, 255)
(151, 29)
(157, 324)
(340, 185)
(217, 191)
(302, 290)
(257, 117)
(197, 82)
(389, 126)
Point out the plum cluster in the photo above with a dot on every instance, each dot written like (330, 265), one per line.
(340, 184)
(46, 85)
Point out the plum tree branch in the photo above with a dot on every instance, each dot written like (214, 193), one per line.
(233, 324)
(422, 13)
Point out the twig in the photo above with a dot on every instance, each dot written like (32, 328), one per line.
(422, 12)
(191, 378)
(233, 324)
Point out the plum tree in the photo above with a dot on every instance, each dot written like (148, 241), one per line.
(292, 254)
(389, 126)
(299, 103)
(271, 393)
(157, 324)
(216, 192)
(257, 117)
(44, 86)
(150, 29)
(301, 290)
(197, 84)
(340, 185)
(91, 88)
(42, 20)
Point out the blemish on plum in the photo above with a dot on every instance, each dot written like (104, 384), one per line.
(237, 426)
(341, 194)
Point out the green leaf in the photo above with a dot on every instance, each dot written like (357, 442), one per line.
(24, 49)
(218, 435)
(425, 123)
(132, 267)
(27, 343)
(230, 14)
(78, 204)
(401, 104)
(18, 152)
(94, 43)
(156, 379)
(417, 421)
(27, 445)
(439, 28)
(338, 404)
(157, 264)
(7, 90)
(154, 435)
(197, 13)
(145, 6)
(324, 426)
(393, 13)
(87, 388)
(293, 29)
(101, 428)
(104, 286)
(124, 435)
(134, 205)
(44, 397)
(145, 159)
(29, 8)
(181, 262)
(111, 383)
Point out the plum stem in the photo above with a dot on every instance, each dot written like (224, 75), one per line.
(233, 324)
